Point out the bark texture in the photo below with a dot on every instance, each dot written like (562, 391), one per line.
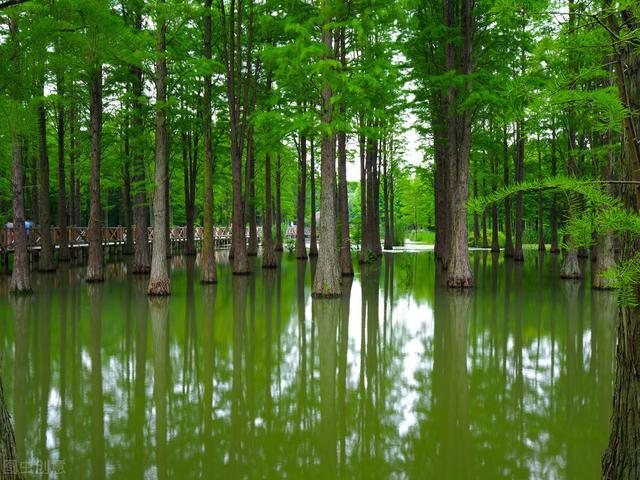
(208, 258)
(45, 259)
(301, 247)
(268, 254)
(313, 235)
(159, 283)
(326, 282)
(63, 250)
(95, 269)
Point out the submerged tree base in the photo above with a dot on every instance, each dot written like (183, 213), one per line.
(159, 288)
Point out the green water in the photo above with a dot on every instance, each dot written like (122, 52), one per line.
(254, 379)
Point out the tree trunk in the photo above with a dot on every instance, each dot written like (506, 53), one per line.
(268, 254)
(278, 246)
(495, 240)
(508, 246)
(621, 460)
(159, 283)
(441, 175)
(9, 464)
(208, 258)
(35, 196)
(388, 243)
(485, 240)
(458, 150)
(63, 250)
(555, 248)
(313, 241)
(364, 256)
(476, 220)
(301, 247)
(189, 151)
(45, 259)
(326, 282)
(605, 255)
(73, 205)
(95, 271)
(541, 245)
(375, 238)
(346, 264)
(127, 249)
(519, 171)
(250, 196)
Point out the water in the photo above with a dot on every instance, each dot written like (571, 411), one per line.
(253, 379)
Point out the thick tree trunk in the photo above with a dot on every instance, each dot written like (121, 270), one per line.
(95, 270)
(301, 247)
(9, 464)
(519, 171)
(621, 460)
(63, 250)
(458, 150)
(313, 240)
(208, 258)
(20, 273)
(326, 282)
(279, 245)
(45, 259)
(159, 283)
(268, 254)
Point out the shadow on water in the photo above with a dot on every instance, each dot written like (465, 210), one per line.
(251, 378)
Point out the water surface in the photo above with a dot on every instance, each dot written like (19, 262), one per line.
(253, 379)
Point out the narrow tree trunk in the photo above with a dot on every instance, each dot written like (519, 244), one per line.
(392, 207)
(95, 272)
(188, 153)
(519, 171)
(159, 283)
(364, 255)
(127, 248)
(485, 240)
(541, 245)
(313, 241)
(346, 264)
(63, 250)
(279, 245)
(45, 259)
(555, 248)
(495, 240)
(268, 254)
(375, 238)
(326, 282)
(73, 205)
(35, 196)
(301, 247)
(388, 243)
(250, 196)
(508, 246)
(208, 258)
(441, 175)
(605, 255)
(476, 220)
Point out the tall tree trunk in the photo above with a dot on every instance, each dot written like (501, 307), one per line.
(63, 250)
(250, 195)
(73, 205)
(519, 171)
(189, 153)
(555, 248)
(326, 282)
(279, 245)
(476, 220)
(458, 149)
(20, 273)
(541, 245)
(95, 269)
(268, 255)
(570, 265)
(346, 264)
(621, 460)
(126, 193)
(208, 259)
(159, 283)
(495, 240)
(508, 245)
(605, 247)
(392, 206)
(441, 175)
(364, 255)
(375, 238)
(141, 254)
(485, 240)
(301, 247)
(388, 243)
(35, 196)
(313, 241)
(45, 259)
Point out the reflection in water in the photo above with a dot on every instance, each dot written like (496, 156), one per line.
(251, 378)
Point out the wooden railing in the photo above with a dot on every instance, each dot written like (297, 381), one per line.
(111, 236)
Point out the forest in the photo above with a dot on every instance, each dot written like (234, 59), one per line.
(339, 130)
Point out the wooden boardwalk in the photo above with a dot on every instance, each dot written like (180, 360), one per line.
(116, 236)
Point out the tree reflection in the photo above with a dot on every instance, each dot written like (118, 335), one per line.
(159, 307)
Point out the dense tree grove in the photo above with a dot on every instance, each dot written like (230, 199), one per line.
(262, 115)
